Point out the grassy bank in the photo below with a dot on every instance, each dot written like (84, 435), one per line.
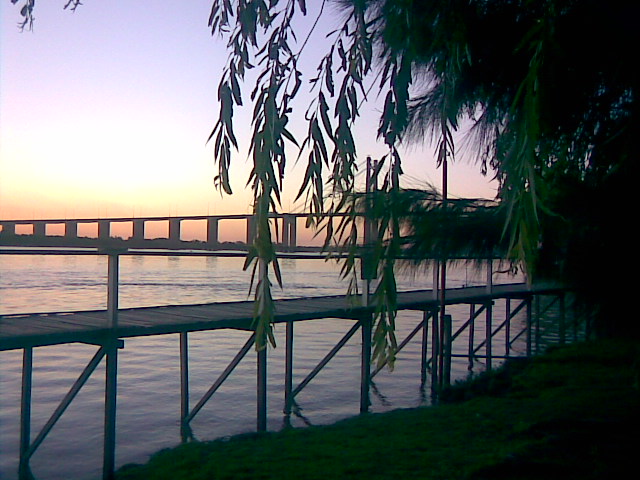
(570, 414)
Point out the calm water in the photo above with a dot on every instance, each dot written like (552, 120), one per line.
(149, 377)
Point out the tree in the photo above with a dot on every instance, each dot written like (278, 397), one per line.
(547, 85)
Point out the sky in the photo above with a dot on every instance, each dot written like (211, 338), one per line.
(105, 112)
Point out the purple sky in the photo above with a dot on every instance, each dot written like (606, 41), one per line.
(106, 111)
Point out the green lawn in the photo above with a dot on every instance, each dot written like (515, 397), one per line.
(572, 413)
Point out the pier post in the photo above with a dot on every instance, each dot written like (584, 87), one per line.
(472, 329)
(24, 472)
(111, 370)
(489, 332)
(112, 289)
(212, 230)
(262, 389)
(288, 369)
(365, 370)
(184, 386)
(435, 353)
(424, 364)
(446, 378)
(110, 394)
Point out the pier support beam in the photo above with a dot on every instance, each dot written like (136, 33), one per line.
(262, 389)
(110, 394)
(185, 430)
(288, 369)
(489, 333)
(365, 371)
(24, 472)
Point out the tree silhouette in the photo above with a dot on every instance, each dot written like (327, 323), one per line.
(549, 87)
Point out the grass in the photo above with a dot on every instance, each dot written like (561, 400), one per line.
(570, 414)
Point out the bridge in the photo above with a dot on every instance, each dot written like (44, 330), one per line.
(9, 236)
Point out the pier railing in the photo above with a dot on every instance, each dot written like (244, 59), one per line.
(487, 339)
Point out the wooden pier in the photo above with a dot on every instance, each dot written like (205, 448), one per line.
(109, 328)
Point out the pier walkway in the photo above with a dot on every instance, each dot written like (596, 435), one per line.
(33, 330)
(107, 329)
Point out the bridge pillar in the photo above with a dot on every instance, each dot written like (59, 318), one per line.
(104, 229)
(39, 229)
(138, 230)
(212, 230)
(8, 228)
(174, 230)
(251, 229)
(293, 224)
(70, 229)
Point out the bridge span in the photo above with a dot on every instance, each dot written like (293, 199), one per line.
(287, 228)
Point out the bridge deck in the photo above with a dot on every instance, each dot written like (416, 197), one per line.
(30, 330)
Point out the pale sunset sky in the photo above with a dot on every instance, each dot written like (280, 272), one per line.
(105, 112)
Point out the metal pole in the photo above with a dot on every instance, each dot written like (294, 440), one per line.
(25, 413)
(262, 389)
(288, 369)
